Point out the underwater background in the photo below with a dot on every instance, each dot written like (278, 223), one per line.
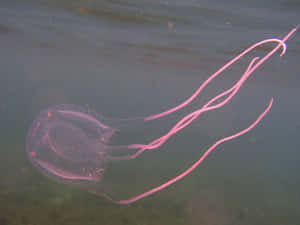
(135, 58)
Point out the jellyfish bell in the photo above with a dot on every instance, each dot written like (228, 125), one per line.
(68, 146)
(74, 145)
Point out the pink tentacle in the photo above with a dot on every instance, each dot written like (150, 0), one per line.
(231, 92)
(190, 169)
(213, 76)
(185, 121)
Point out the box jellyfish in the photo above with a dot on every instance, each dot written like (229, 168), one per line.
(73, 145)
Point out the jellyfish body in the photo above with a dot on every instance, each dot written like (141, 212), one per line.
(72, 145)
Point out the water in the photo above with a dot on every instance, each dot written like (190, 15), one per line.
(137, 58)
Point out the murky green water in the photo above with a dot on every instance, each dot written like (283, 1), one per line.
(137, 58)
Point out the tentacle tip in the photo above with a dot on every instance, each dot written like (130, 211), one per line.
(271, 102)
(282, 53)
(284, 47)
